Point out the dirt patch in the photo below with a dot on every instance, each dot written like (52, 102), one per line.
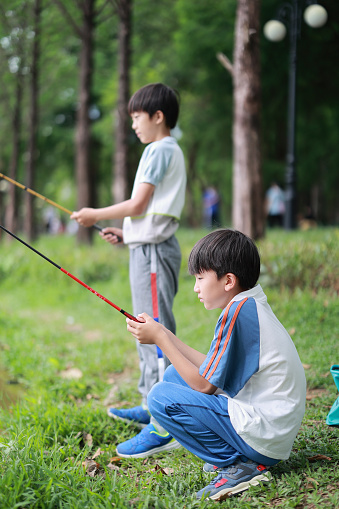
(315, 393)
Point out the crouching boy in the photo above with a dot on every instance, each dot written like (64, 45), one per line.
(239, 407)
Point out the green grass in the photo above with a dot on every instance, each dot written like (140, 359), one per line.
(50, 325)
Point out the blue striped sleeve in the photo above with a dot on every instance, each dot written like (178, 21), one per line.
(234, 353)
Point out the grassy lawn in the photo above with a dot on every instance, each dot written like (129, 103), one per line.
(66, 356)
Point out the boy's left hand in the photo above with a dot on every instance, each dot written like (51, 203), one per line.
(112, 235)
(145, 332)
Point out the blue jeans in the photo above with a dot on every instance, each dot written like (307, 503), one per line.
(200, 422)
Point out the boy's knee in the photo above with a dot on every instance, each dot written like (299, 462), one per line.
(153, 396)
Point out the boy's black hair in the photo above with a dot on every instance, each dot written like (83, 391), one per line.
(226, 251)
(154, 97)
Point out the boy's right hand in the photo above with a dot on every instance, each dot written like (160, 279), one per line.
(112, 235)
(85, 216)
(147, 331)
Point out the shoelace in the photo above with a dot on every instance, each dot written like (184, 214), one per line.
(229, 470)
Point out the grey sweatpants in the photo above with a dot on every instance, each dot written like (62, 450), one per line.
(164, 260)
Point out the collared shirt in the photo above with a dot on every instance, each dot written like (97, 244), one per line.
(254, 363)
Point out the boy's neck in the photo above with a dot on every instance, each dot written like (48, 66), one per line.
(162, 133)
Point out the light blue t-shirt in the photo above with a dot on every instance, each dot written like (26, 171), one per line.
(162, 165)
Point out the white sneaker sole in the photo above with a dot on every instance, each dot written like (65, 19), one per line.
(173, 444)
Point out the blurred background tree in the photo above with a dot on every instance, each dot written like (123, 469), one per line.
(176, 42)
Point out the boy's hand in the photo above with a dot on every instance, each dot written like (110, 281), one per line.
(147, 332)
(85, 216)
(112, 235)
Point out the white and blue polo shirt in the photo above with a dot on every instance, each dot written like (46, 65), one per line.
(254, 363)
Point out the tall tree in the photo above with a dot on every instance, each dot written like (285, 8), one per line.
(14, 25)
(11, 214)
(120, 164)
(33, 122)
(248, 203)
(84, 173)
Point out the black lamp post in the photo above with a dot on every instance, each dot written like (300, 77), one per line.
(316, 16)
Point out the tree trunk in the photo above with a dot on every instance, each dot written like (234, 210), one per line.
(120, 164)
(33, 125)
(193, 218)
(83, 135)
(248, 202)
(11, 207)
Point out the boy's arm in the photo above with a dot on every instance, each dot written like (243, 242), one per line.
(196, 357)
(184, 358)
(132, 207)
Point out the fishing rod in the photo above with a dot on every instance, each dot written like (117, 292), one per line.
(128, 315)
(51, 202)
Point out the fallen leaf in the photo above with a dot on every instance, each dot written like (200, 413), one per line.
(111, 466)
(318, 457)
(88, 462)
(313, 481)
(169, 471)
(97, 453)
(164, 471)
(306, 366)
(71, 374)
(93, 468)
(87, 438)
(91, 396)
(292, 331)
(115, 459)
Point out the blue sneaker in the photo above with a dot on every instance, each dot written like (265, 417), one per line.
(234, 479)
(208, 468)
(149, 441)
(138, 415)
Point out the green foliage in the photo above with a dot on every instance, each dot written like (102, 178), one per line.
(50, 325)
(175, 42)
(308, 261)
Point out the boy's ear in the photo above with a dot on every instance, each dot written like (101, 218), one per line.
(231, 281)
(159, 116)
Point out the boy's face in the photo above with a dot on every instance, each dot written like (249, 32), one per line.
(211, 291)
(145, 127)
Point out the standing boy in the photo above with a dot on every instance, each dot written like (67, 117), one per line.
(239, 407)
(151, 218)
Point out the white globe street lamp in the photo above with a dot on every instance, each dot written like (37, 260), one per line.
(275, 30)
(315, 16)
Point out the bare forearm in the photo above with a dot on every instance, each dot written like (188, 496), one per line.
(132, 207)
(118, 211)
(186, 361)
(196, 357)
